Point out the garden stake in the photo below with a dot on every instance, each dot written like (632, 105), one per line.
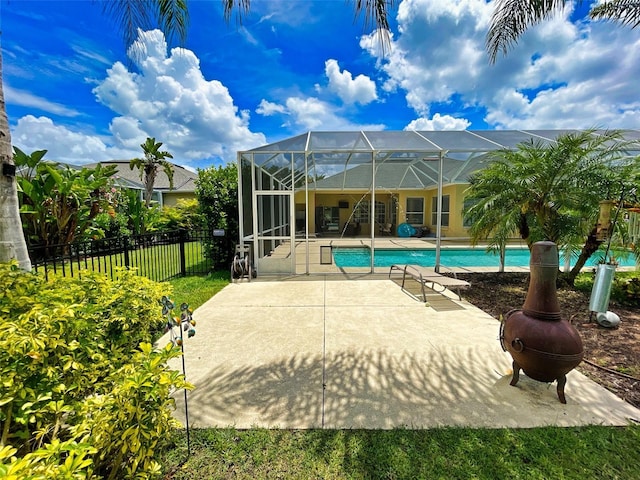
(185, 322)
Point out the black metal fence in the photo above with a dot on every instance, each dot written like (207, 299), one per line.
(159, 256)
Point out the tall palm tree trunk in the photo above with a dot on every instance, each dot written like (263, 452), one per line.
(12, 243)
(150, 173)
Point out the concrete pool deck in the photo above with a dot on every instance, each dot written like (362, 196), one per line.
(329, 351)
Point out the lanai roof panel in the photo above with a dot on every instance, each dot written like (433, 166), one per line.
(458, 140)
(399, 140)
(338, 141)
(511, 138)
(292, 144)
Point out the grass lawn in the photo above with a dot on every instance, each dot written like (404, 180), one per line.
(198, 289)
(446, 453)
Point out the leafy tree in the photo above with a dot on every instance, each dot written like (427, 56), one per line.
(550, 191)
(57, 202)
(154, 158)
(511, 18)
(217, 192)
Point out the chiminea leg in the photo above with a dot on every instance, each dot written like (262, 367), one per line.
(562, 381)
(516, 374)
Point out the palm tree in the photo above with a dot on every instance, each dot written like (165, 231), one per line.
(511, 18)
(154, 158)
(12, 242)
(549, 191)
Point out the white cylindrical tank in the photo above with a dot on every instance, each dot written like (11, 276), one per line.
(599, 301)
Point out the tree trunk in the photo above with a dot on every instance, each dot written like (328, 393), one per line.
(12, 242)
(590, 247)
(149, 180)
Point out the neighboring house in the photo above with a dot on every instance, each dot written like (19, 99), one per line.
(184, 182)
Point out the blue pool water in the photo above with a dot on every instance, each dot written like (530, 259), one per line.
(458, 257)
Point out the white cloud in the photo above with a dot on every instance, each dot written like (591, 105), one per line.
(268, 109)
(311, 113)
(172, 101)
(560, 75)
(62, 144)
(439, 122)
(301, 112)
(168, 99)
(351, 90)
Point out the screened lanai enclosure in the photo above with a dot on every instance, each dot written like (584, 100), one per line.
(322, 202)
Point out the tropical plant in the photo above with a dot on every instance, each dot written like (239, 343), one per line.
(82, 392)
(57, 202)
(154, 158)
(217, 192)
(550, 191)
(511, 18)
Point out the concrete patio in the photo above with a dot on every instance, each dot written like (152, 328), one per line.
(332, 351)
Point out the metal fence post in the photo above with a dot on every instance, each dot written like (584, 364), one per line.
(125, 244)
(182, 235)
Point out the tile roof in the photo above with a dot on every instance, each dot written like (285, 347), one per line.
(183, 179)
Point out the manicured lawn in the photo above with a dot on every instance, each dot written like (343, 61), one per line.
(447, 453)
(198, 289)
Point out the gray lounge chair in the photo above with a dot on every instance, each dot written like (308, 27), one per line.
(429, 278)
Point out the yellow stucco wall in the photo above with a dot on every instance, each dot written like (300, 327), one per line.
(170, 199)
(332, 199)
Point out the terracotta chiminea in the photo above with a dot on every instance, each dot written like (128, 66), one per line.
(541, 343)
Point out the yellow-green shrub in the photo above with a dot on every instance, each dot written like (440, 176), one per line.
(71, 351)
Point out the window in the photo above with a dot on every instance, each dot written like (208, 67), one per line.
(361, 214)
(415, 210)
(468, 203)
(445, 211)
(381, 213)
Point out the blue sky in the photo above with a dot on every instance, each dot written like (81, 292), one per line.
(293, 66)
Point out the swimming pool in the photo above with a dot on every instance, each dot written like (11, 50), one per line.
(451, 257)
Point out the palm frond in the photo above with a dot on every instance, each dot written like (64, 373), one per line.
(627, 12)
(173, 17)
(130, 15)
(242, 7)
(511, 18)
(377, 12)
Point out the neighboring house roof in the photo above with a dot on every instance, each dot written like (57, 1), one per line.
(183, 179)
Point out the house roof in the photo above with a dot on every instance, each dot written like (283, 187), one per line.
(403, 159)
(183, 179)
